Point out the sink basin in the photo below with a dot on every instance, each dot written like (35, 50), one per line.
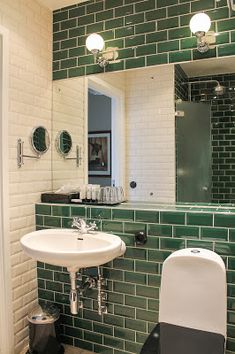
(68, 248)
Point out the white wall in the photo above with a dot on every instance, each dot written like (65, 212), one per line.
(150, 134)
(69, 100)
(30, 32)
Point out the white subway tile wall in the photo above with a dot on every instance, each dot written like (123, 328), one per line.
(30, 89)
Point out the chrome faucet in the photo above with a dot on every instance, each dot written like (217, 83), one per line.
(82, 226)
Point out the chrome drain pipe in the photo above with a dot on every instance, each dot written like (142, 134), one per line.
(102, 296)
(75, 303)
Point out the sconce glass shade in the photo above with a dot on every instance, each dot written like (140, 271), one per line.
(200, 23)
(94, 43)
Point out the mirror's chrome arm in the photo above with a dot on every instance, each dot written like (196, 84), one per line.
(21, 155)
(78, 158)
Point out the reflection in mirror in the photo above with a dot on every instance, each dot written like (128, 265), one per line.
(64, 142)
(179, 136)
(40, 140)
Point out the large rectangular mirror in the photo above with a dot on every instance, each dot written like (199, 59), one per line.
(164, 133)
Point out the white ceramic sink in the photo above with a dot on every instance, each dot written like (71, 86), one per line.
(69, 248)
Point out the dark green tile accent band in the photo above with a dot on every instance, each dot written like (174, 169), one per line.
(136, 23)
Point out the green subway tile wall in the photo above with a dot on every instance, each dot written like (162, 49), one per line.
(133, 280)
(147, 32)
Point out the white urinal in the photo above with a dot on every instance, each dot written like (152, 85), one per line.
(193, 305)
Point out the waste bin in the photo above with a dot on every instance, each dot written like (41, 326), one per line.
(44, 331)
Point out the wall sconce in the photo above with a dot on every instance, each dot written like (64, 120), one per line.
(200, 25)
(95, 44)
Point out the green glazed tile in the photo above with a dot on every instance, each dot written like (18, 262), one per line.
(171, 217)
(124, 10)
(162, 3)
(124, 288)
(87, 59)
(186, 231)
(68, 24)
(188, 43)
(134, 277)
(103, 329)
(46, 295)
(154, 280)
(146, 49)
(136, 253)
(136, 301)
(43, 209)
(225, 25)
(124, 311)
(204, 219)
(76, 32)
(63, 54)
(82, 323)
(56, 46)
(202, 5)
(145, 27)
(114, 320)
(91, 315)
(104, 15)
(41, 284)
(112, 226)
(114, 342)
(179, 33)
(77, 12)
(153, 305)
(122, 214)
(54, 286)
(225, 248)
(147, 216)
(123, 264)
(78, 211)
(226, 50)
(152, 242)
(124, 31)
(66, 340)
(44, 274)
(119, 43)
(62, 298)
(231, 277)
(124, 333)
(200, 244)
(157, 59)
(147, 315)
(211, 53)
(178, 10)
(60, 211)
(99, 6)
(132, 228)
(160, 230)
(102, 349)
(133, 347)
(168, 46)
(56, 27)
(214, 233)
(95, 27)
(73, 332)
(56, 65)
(145, 5)
(113, 274)
(39, 220)
(69, 43)
(83, 344)
(52, 221)
(86, 20)
(68, 63)
(172, 244)
(168, 23)
(217, 14)
(115, 298)
(135, 63)
(136, 324)
(62, 277)
(100, 213)
(58, 36)
(60, 16)
(156, 37)
(180, 56)
(157, 255)
(146, 267)
(114, 23)
(134, 19)
(223, 38)
(225, 220)
(74, 72)
(92, 337)
(147, 291)
(155, 14)
(134, 41)
(113, 3)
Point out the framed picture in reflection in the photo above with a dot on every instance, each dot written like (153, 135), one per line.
(99, 153)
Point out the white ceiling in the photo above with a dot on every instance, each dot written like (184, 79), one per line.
(58, 4)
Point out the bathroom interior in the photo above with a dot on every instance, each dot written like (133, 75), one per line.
(161, 98)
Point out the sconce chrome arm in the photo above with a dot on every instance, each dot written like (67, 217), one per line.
(105, 57)
(21, 155)
(202, 45)
(78, 158)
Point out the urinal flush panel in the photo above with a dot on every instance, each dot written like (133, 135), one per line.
(193, 291)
